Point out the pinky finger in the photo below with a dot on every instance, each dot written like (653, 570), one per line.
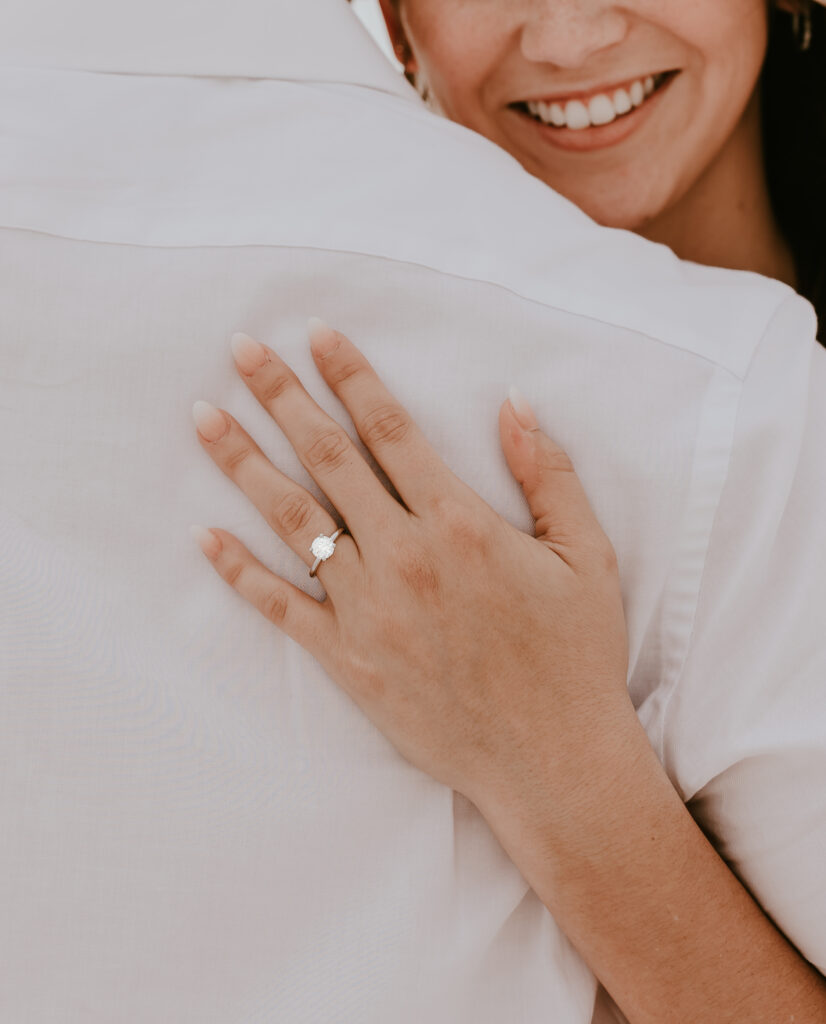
(300, 616)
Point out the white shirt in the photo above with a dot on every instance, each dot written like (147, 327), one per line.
(198, 824)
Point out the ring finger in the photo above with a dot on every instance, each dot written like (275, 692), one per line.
(290, 510)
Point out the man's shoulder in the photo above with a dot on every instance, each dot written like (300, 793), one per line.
(182, 161)
(455, 201)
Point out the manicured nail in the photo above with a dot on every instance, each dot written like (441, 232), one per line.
(209, 543)
(323, 340)
(249, 353)
(212, 424)
(524, 413)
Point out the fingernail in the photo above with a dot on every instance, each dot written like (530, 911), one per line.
(524, 414)
(212, 424)
(323, 340)
(249, 353)
(208, 542)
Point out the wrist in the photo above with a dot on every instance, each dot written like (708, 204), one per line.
(569, 810)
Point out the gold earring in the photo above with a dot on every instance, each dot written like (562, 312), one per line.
(803, 34)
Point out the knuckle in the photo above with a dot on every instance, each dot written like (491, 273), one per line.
(368, 681)
(344, 371)
(293, 513)
(274, 606)
(465, 530)
(237, 456)
(386, 425)
(607, 557)
(436, 505)
(330, 450)
(597, 557)
(276, 387)
(556, 460)
(233, 573)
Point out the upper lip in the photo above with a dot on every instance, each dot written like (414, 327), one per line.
(587, 92)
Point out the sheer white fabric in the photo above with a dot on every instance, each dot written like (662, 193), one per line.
(198, 824)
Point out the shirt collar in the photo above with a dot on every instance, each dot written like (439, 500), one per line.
(303, 40)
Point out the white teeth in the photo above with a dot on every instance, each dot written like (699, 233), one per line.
(600, 109)
(622, 101)
(557, 115)
(576, 115)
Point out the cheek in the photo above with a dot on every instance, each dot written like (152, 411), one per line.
(715, 24)
(720, 86)
(452, 75)
(460, 48)
(725, 42)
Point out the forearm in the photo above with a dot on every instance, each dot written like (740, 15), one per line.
(649, 904)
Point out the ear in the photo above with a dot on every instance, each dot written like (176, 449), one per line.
(395, 30)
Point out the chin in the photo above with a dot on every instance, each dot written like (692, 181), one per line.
(610, 217)
(613, 210)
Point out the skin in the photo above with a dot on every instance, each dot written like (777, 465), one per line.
(690, 176)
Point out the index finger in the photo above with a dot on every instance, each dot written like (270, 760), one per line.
(411, 463)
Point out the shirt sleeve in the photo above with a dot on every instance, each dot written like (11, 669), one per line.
(745, 729)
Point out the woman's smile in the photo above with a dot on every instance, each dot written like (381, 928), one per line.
(646, 114)
(596, 119)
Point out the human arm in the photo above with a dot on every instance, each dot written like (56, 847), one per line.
(637, 887)
(742, 742)
(517, 717)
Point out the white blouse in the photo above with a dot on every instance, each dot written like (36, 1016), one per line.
(198, 824)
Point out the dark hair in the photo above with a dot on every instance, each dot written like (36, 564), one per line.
(793, 93)
(793, 97)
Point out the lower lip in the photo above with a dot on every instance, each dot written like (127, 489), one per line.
(597, 136)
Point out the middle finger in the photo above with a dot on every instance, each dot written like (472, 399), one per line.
(324, 447)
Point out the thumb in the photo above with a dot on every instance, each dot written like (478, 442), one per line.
(559, 505)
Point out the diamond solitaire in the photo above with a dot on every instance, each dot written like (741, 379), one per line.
(322, 547)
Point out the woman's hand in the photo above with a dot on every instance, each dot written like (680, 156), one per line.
(485, 655)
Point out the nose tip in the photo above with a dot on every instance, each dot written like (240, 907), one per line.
(566, 35)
